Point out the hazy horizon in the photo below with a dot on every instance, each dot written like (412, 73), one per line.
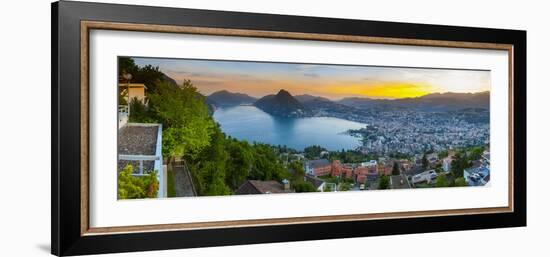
(258, 79)
(275, 92)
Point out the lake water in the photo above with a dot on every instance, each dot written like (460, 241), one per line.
(252, 124)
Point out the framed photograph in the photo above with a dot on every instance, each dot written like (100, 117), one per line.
(178, 128)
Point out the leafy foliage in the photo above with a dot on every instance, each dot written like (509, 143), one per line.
(184, 116)
(239, 163)
(475, 153)
(303, 186)
(459, 163)
(313, 152)
(460, 182)
(266, 164)
(441, 181)
(345, 186)
(425, 163)
(349, 156)
(384, 182)
(148, 75)
(395, 170)
(139, 112)
(171, 184)
(132, 187)
(442, 154)
(210, 165)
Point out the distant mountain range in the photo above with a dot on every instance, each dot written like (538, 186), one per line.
(226, 98)
(307, 98)
(283, 104)
(436, 102)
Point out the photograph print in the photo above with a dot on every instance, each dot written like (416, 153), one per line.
(190, 127)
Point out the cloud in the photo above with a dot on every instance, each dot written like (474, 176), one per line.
(311, 75)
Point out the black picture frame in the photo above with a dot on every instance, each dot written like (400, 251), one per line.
(66, 235)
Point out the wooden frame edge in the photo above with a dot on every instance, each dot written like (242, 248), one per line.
(86, 26)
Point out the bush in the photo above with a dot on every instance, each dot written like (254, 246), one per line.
(303, 186)
(171, 184)
(132, 187)
(460, 182)
(384, 182)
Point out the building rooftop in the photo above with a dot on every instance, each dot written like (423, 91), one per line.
(261, 187)
(314, 180)
(477, 175)
(137, 139)
(369, 163)
(317, 163)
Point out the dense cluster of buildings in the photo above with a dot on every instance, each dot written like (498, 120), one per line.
(411, 132)
(403, 173)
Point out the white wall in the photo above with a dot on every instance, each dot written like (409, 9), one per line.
(25, 126)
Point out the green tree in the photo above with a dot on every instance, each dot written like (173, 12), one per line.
(148, 75)
(127, 65)
(184, 116)
(313, 152)
(442, 154)
(425, 162)
(122, 96)
(210, 166)
(460, 182)
(139, 112)
(441, 181)
(384, 182)
(301, 186)
(133, 187)
(239, 163)
(475, 153)
(266, 165)
(297, 169)
(344, 186)
(459, 163)
(395, 169)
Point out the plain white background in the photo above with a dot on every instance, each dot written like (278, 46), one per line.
(25, 127)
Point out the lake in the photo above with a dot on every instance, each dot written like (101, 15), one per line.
(249, 123)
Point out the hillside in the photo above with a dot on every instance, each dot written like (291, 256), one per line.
(226, 98)
(283, 104)
(432, 102)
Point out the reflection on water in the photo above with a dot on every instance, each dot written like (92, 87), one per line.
(252, 124)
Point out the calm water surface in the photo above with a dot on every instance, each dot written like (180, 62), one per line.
(252, 124)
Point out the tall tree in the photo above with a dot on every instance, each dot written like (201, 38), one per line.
(384, 182)
(184, 116)
(297, 169)
(266, 165)
(441, 181)
(210, 166)
(425, 162)
(395, 169)
(459, 163)
(239, 163)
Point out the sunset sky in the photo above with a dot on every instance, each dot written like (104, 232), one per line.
(331, 81)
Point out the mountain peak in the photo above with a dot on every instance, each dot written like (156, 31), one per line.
(283, 104)
(283, 92)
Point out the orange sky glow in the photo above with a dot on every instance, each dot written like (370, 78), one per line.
(258, 79)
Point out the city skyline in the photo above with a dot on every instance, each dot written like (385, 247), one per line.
(335, 82)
